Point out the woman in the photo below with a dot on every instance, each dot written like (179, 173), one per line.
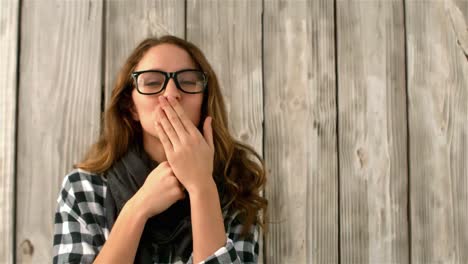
(166, 182)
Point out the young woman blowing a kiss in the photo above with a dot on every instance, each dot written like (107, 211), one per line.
(165, 182)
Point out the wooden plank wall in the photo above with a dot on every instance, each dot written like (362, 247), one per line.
(9, 15)
(438, 130)
(358, 107)
(300, 132)
(58, 113)
(372, 131)
(230, 34)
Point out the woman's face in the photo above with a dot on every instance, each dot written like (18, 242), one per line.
(168, 58)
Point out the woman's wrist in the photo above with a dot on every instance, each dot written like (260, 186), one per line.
(203, 188)
(123, 239)
(137, 207)
(207, 221)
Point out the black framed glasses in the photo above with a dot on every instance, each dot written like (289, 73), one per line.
(190, 81)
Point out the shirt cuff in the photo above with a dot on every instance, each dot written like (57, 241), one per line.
(221, 253)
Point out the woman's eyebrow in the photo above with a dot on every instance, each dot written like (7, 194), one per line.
(159, 69)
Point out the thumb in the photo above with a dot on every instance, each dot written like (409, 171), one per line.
(208, 131)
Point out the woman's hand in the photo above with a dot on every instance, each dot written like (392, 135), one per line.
(189, 153)
(160, 190)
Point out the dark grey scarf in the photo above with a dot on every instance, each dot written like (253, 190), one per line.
(167, 232)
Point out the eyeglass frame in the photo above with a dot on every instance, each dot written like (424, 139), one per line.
(168, 76)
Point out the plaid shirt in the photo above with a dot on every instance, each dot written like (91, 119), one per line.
(80, 228)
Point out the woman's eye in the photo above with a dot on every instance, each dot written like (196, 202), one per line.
(153, 84)
(189, 82)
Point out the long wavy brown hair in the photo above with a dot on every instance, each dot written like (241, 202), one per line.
(243, 177)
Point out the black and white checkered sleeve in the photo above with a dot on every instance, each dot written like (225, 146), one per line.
(237, 249)
(79, 225)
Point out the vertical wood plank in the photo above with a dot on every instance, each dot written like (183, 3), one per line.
(300, 131)
(59, 110)
(124, 29)
(9, 13)
(438, 126)
(372, 131)
(230, 35)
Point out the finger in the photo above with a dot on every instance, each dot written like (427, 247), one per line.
(208, 131)
(188, 125)
(168, 129)
(173, 118)
(167, 145)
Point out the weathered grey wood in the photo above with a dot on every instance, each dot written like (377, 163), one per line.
(372, 131)
(300, 131)
(9, 13)
(294, 109)
(129, 22)
(230, 35)
(59, 110)
(438, 127)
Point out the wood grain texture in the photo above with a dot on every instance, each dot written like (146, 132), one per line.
(335, 135)
(129, 22)
(59, 111)
(372, 132)
(9, 13)
(438, 126)
(300, 131)
(230, 35)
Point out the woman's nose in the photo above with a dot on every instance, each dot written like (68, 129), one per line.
(171, 90)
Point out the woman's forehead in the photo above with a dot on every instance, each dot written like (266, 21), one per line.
(165, 57)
